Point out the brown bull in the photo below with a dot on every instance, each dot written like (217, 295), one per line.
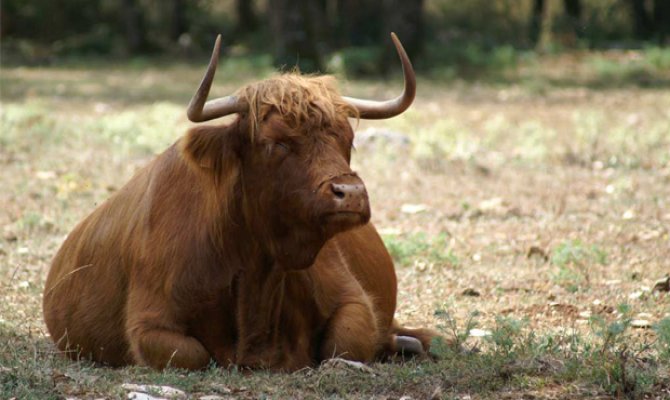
(246, 243)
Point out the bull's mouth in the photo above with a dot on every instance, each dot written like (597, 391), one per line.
(345, 219)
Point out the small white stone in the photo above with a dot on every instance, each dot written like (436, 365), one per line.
(166, 391)
(142, 396)
(413, 208)
(45, 175)
(640, 323)
(479, 332)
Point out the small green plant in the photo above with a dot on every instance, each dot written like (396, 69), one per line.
(407, 249)
(614, 364)
(449, 326)
(578, 253)
(506, 336)
(573, 259)
(662, 329)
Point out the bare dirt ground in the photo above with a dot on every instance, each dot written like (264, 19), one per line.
(548, 206)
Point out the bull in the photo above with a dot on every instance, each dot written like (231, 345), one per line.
(247, 243)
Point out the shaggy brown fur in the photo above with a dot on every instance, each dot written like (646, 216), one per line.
(304, 102)
(246, 243)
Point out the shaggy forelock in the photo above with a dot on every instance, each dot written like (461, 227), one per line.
(303, 102)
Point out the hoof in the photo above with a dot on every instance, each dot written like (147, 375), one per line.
(408, 345)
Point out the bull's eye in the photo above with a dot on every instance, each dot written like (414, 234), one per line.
(279, 149)
(282, 147)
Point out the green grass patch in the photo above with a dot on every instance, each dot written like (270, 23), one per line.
(418, 247)
(606, 361)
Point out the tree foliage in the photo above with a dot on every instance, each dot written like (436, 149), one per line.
(310, 33)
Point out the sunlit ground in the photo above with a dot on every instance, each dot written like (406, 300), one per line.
(544, 199)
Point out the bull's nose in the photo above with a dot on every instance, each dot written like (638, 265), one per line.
(349, 196)
(347, 191)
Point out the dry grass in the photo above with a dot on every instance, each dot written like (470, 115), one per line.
(552, 205)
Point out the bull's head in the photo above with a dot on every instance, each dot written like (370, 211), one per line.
(290, 151)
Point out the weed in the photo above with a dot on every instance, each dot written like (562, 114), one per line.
(449, 326)
(505, 337)
(418, 247)
(662, 329)
(573, 259)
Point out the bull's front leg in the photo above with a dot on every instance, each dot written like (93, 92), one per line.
(352, 333)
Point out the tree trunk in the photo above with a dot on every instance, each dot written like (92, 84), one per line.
(642, 22)
(359, 22)
(546, 38)
(133, 24)
(247, 20)
(178, 19)
(573, 11)
(662, 20)
(297, 31)
(536, 21)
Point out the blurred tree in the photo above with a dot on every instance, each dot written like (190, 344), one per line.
(247, 20)
(358, 22)
(542, 23)
(573, 16)
(178, 21)
(405, 18)
(536, 20)
(296, 27)
(641, 21)
(134, 26)
(662, 20)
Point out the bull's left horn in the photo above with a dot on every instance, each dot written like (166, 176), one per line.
(198, 110)
(369, 109)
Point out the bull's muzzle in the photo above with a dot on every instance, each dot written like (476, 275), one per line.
(349, 204)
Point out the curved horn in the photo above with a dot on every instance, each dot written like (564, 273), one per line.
(198, 110)
(369, 109)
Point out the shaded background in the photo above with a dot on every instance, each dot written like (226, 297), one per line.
(465, 37)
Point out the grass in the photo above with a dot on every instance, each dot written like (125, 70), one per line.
(544, 192)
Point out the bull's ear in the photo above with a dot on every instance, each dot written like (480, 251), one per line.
(210, 148)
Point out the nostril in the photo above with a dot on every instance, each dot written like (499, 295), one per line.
(337, 191)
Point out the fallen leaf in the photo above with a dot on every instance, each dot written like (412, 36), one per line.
(535, 251)
(662, 285)
(342, 363)
(470, 292)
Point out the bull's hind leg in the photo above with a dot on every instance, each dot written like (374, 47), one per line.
(352, 333)
(157, 340)
(160, 348)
